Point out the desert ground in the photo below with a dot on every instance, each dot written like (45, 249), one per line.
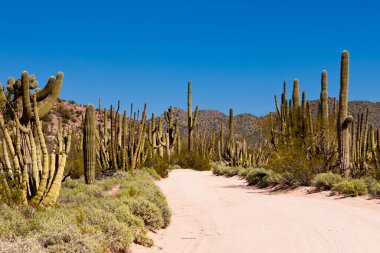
(217, 214)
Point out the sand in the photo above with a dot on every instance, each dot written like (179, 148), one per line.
(219, 215)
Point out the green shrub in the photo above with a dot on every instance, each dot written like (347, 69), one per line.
(351, 188)
(153, 173)
(87, 220)
(161, 165)
(326, 181)
(147, 211)
(373, 186)
(374, 189)
(219, 170)
(222, 170)
(232, 171)
(243, 172)
(292, 162)
(272, 179)
(63, 112)
(263, 177)
(255, 176)
(190, 160)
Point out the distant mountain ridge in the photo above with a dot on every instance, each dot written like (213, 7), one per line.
(246, 125)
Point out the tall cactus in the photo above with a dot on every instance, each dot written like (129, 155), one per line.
(296, 94)
(172, 125)
(344, 119)
(324, 109)
(89, 145)
(38, 173)
(191, 119)
(231, 127)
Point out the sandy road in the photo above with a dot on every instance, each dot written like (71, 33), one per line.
(220, 215)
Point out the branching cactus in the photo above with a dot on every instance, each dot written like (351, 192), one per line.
(89, 145)
(172, 126)
(37, 174)
(20, 91)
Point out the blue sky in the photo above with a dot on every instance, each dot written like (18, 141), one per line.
(237, 53)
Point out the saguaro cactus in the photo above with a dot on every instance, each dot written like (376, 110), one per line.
(344, 120)
(89, 145)
(231, 127)
(192, 120)
(324, 109)
(296, 94)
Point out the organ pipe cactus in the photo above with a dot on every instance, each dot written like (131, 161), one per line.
(43, 190)
(373, 147)
(89, 145)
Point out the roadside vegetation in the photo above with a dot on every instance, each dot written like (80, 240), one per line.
(329, 149)
(104, 217)
(88, 187)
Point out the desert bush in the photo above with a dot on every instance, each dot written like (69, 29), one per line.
(255, 176)
(147, 211)
(219, 169)
(153, 173)
(263, 177)
(374, 189)
(191, 160)
(63, 112)
(373, 186)
(161, 165)
(88, 219)
(351, 188)
(10, 193)
(222, 170)
(243, 172)
(293, 163)
(272, 179)
(326, 181)
(232, 171)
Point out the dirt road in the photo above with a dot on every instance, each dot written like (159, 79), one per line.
(220, 215)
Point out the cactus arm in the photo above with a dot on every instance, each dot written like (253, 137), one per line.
(3, 98)
(52, 195)
(27, 108)
(45, 162)
(45, 92)
(9, 142)
(45, 107)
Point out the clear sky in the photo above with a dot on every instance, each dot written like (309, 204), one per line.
(236, 53)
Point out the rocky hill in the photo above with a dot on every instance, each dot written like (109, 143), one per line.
(246, 125)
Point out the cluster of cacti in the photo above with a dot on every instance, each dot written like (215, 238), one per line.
(237, 153)
(126, 143)
(170, 140)
(120, 141)
(295, 119)
(332, 137)
(364, 146)
(25, 160)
